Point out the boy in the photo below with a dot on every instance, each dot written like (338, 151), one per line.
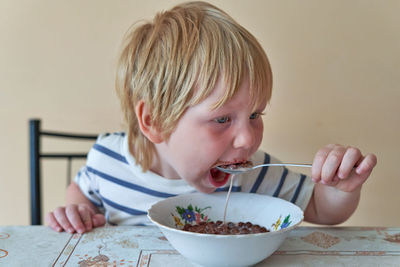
(193, 85)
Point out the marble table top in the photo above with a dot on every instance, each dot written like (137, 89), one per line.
(146, 246)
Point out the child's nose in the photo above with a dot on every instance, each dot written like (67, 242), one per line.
(244, 137)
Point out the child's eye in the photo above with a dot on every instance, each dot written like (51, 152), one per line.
(255, 115)
(222, 120)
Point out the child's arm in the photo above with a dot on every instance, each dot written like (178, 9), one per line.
(78, 215)
(339, 174)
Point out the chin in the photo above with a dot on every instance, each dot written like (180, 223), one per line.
(204, 187)
(206, 190)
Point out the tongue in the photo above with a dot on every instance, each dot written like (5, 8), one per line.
(218, 178)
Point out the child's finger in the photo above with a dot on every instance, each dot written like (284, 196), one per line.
(332, 163)
(86, 217)
(98, 220)
(350, 159)
(61, 218)
(52, 222)
(367, 164)
(318, 162)
(75, 218)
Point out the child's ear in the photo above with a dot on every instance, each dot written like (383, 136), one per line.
(147, 126)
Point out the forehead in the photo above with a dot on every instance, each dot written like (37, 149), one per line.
(224, 95)
(224, 90)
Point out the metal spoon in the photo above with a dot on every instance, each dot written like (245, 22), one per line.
(246, 169)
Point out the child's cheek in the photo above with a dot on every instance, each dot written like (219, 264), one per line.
(217, 129)
(211, 142)
(259, 131)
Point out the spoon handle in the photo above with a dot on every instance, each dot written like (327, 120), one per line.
(245, 169)
(283, 164)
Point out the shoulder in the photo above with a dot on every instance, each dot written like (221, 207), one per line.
(109, 145)
(111, 139)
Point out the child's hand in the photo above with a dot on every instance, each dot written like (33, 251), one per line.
(80, 218)
(342, 167)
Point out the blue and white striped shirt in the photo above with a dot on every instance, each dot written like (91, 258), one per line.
(118, 187)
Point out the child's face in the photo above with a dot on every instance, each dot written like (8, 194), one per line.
(205, 138)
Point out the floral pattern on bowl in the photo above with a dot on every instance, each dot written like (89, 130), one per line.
(285, 224)
(190, 215)
(195, 215)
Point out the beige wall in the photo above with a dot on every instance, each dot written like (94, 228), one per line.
(336, 66)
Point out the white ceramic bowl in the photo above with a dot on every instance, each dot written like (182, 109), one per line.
(277, 215)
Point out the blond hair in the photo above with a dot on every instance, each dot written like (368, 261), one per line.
(187, 47)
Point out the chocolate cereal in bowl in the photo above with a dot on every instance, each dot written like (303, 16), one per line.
(255, 226)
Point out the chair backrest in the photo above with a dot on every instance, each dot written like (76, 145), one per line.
(36, 156)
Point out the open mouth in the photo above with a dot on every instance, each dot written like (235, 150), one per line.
(218, 178)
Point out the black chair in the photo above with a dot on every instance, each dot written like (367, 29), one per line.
(36, 155)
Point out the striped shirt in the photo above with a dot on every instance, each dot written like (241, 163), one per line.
(113, 182)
